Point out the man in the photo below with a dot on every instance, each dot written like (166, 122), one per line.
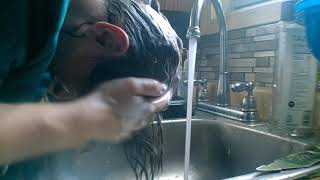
(28, 42)
(48, 128)
(154, 52)
(79, 64)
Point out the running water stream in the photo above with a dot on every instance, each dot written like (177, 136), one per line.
(192, 63)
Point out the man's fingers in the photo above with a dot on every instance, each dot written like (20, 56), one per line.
(134, 87)
(144, 87)
(159, 106)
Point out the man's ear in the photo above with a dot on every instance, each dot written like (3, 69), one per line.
(111, 38)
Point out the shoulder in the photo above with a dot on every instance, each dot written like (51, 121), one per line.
(29, 32)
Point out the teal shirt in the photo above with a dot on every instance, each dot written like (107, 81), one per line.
(28, 39)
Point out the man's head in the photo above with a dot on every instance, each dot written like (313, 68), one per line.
(107, 39)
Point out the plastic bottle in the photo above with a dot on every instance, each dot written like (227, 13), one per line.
(294, 82)
(317, 108)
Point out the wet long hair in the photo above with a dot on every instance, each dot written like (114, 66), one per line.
(154, 52)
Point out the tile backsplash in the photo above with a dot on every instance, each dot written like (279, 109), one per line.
(251, 54)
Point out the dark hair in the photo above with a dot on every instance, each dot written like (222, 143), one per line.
(154, 52)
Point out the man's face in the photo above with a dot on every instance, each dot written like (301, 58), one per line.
(84, 42)
(77, 49)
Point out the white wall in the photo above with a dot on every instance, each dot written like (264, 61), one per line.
(237, 4)
(264, 13)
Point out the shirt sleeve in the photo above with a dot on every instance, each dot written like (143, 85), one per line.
(28, 41)
(12, 35)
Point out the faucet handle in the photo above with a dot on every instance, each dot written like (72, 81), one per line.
(203, 93)
(249, 103)
(243, 86)
(201, 82)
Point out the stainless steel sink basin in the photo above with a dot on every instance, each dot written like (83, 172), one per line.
(220, 149)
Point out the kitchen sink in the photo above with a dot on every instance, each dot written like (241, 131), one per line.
(219, 149)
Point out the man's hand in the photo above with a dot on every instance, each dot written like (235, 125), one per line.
(111, 113)
(118, 108)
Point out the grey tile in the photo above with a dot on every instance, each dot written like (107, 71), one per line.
(209, 69)
(214, 63)
(246, 55)
(263, 62)
(250, 62)
(208, 75)
(264, 53)
(264, 46)
(213, 60)
(208, 44)
(201, 56)
(209, 38)
(239, 48)
(240, 41)
(198, 61)
(250, 77)
(237, 76)
(259, 84)
(264, 77)
(265, 37)
(216, 68)
(272, 61)
(237, 34)
(234, 56)
(211, 57)
(263, 70)
(203, 63)
(262, 30)
(211, 50)
(197, 75)
(239, 69)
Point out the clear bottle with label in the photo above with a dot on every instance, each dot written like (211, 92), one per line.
(317, 107)
(294, 82)
(316, 110)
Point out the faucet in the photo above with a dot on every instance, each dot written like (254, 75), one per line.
(249, 103)
(248, 112)
(223, 91)
(202, 94)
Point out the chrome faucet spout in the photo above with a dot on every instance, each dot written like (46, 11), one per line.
(223, 91)
(194, 26)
